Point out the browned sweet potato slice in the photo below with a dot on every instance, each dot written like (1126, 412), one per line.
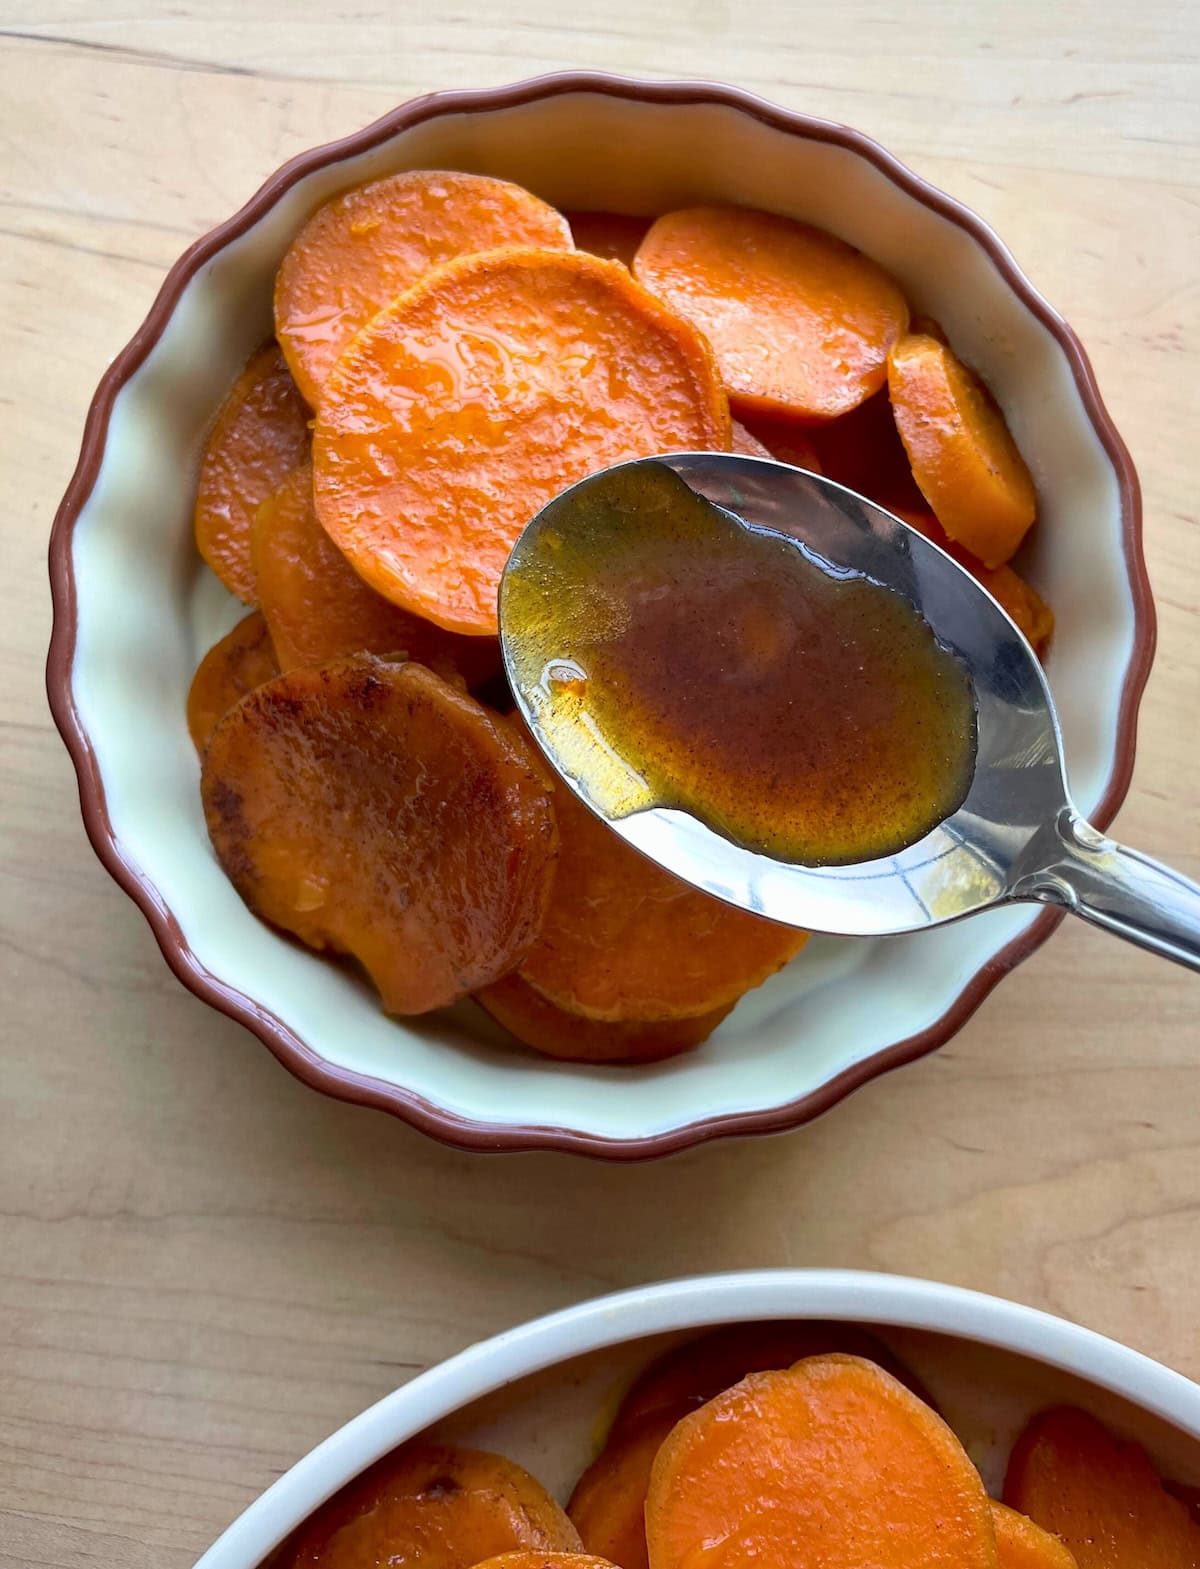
(690, 1374)
(830, 1463)
(433, 1507)
(260, 434)
(242, 660)
(1102, 1498)
(373, 809)
(623, 939)
(555, 1032)
(318, 608)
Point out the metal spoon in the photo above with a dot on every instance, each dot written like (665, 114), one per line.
(1016, 837)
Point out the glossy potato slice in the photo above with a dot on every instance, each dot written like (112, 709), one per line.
(529, 1559)
(373, 809)
(800, 322)
(608, 1505)
(366, 246)
(434, 1507)
(556, 1032)
(833, 1463)
(1101, 1497)
(474, 399)
(242, 660)
(318, 608)
(259, 435)
(623, 939)
(962, 454)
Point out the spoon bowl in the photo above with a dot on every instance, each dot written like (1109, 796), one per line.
(1016, 836)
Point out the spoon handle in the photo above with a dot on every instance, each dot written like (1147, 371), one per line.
(1122, 890)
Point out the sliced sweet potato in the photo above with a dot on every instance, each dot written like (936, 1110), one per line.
(436, 1507)
(622, 939)
(608, 1505)
(373, 809)
(785, 440)
(242, 660)
(800, 322)
(366, 246)
(1019, 598)
(1101, 1497)
(259, 436)
(555, 1032)
(528, 1559)
(469, 403)
(963, 457)
(690, 1374)
(1022, 1545)
(613, 235)
(832, 1463)
(318, 608)
(863, 451)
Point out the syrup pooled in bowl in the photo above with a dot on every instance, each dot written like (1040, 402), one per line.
(673, 656)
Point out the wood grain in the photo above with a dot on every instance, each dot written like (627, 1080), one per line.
(204, 1267)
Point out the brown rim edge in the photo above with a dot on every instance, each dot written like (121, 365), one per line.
(287, 1047)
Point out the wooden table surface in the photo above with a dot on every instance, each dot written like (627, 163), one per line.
(205, 1267)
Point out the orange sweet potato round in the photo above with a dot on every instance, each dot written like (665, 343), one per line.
(832, 1463)
(608, 1505)
(1102, 1498)
(800, 322)
(469, 403)
(1022, 1545)
(963, 457)
(366, 246)
(434, 1507)
(242, 660)
(690, 1374)
(571, 1037)
(318, 608)
(260, 434)
(613, 235)
(623, 939)
(373, 809)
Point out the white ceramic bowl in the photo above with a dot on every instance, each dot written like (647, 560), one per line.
(536, 1393)
(134, 610)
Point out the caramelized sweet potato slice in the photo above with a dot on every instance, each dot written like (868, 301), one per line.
(622, 939)
(608, 1505)
(571, 1037)
(690, 1374)
(318, 608)
(242, 660)
(373, 809)
(468, 404)
(613, 235)
(1022, 1545)
(963, 457)
(800, 322)
(1019, 598)
(366, 246)
(260, 434)
(1101, 1497)
(432, 1506)
(831, 1462)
